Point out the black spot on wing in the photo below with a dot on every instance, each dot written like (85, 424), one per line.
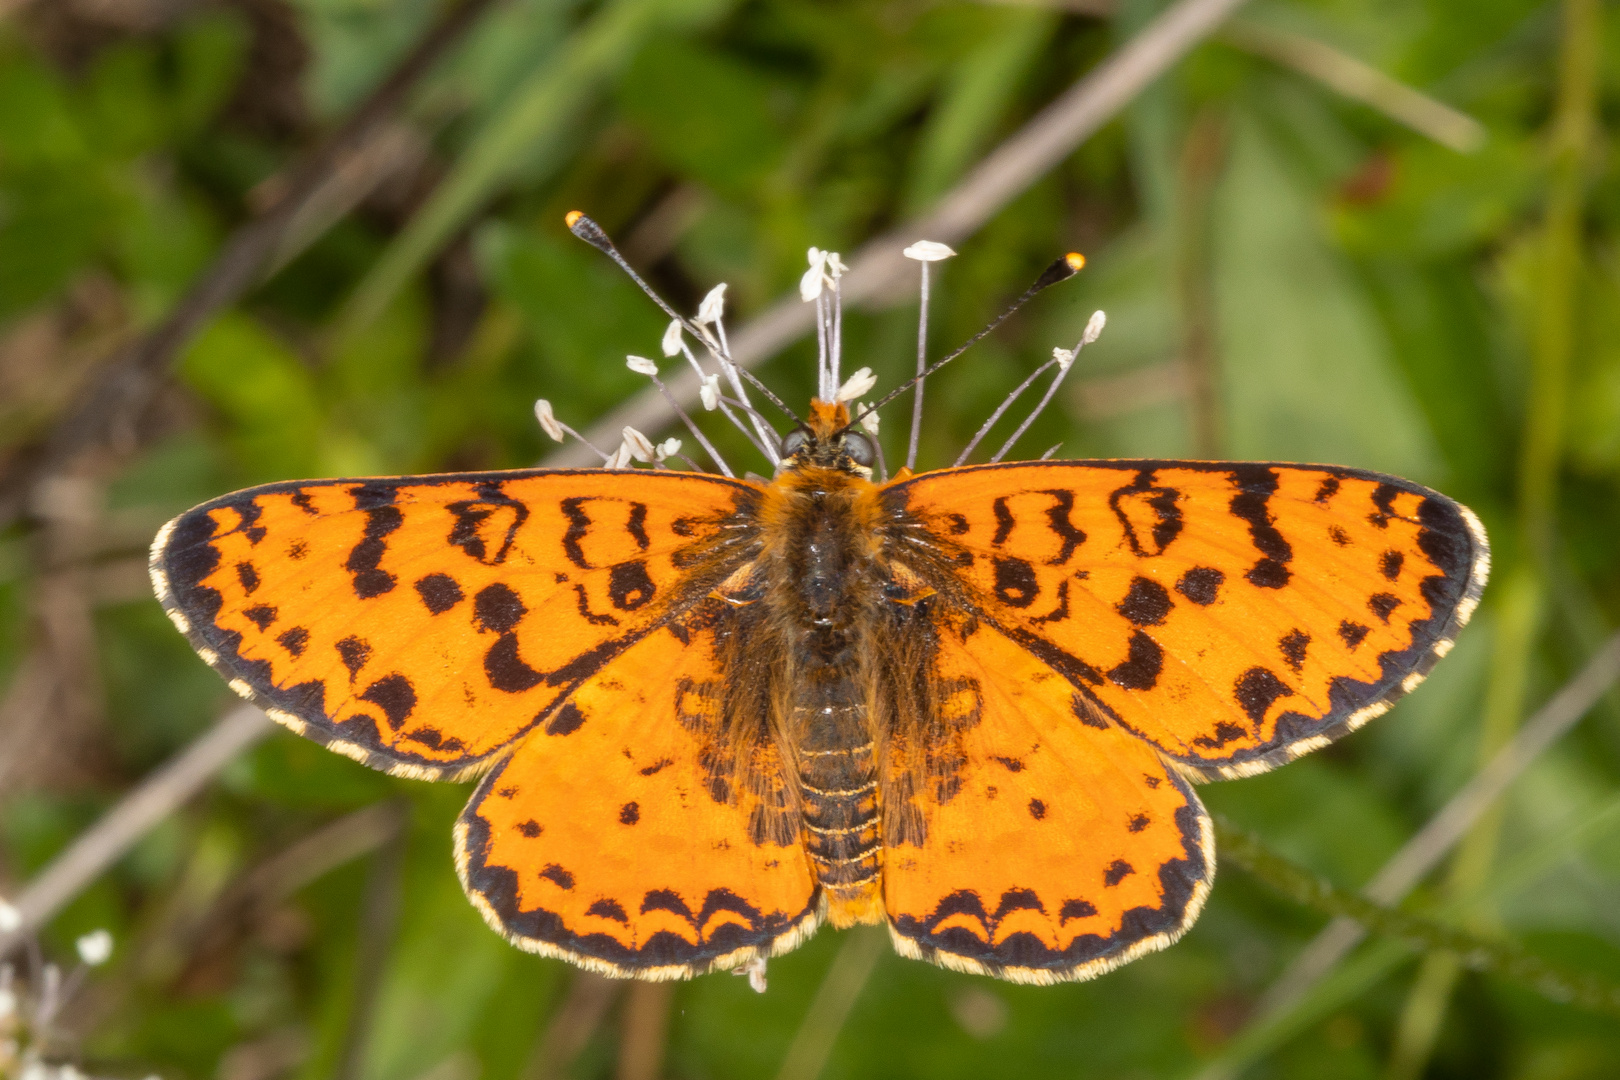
(1201, 584)
(557, 876)
(382, 519)
(629, 813)
(1037, 809)
(260, 615)
(1018, 900)
(395, 695)
(530, 828)
(1256, 689)
(497, 608)
(1293, 646)
(1383, 605)
(629, 585)
(1138, 822)
(1326, 490)
(1117, 871)
(1352, 633)
(566, 720)
(1015, 582)
(1256, 484)
(248, 576)
(1004, 521)
(1383, 497)
(295, 641)
(1141, 669)
(1224, 733)
(439, 593)
(608, 909)
(1076, 909)
(1146, 603)
(1389, 564)
(354, 653)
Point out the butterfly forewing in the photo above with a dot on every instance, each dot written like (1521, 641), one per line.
(421, 624)
(1233, 615)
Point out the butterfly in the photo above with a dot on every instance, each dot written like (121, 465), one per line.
(709, 713)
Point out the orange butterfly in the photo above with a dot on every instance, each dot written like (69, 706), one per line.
(711, 713)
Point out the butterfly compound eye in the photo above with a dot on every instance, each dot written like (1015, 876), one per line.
(859, 448)
(796, 440)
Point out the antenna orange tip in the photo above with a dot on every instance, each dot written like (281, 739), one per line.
(573, 216)
(1075, 260)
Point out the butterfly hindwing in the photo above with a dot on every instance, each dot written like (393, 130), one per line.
(1041, 847)
(1234, 615)
(420, 624)
(624, 840)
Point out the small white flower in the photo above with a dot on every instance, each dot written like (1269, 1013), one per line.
(668, 449)
(869, 422)
(709, 392)
(8, 1008)
(835, 266)
(1094, 328)
(641, 365)
(640, 447)
(672, 338)
(10, 917)
(928, 251)
(811, 283)
(1064, 357)
(713, 306)
(95, 947)
(68, 1072)
(856, 385)
(548, 421)
(35, 1070)
(619, 459)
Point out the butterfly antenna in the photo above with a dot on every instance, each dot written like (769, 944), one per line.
(1061, 270)
(1064, 358)
(593, 234)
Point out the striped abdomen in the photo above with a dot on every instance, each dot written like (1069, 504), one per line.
(838, 778)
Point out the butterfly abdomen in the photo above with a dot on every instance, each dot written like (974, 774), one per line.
(819, 549)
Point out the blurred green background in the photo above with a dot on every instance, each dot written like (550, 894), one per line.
(1290, 272)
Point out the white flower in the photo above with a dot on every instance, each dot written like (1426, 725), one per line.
(640, 447)
(713, 306)
(10, 917)
(668, 449)
(1064, 357)
(95, 947)
(928, 251)
(68, 1072)
(672, 338)
(856, 385)
(641, 365)
(835, 266)
(8, 1007)
(619, 459)
(869, 422)
(709, 392)
(548, 421)
(35, 1070)
(1094, 328)
(811, 283)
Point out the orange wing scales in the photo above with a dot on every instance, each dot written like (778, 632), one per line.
(421, 624)
(1232, 615)
(606, 841)
(1063, 849)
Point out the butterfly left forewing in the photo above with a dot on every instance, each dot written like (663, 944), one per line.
(420, 624)
(1029, 844)
(1233, 614)
(632, 840)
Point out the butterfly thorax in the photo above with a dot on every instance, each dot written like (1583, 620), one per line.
(820, 562)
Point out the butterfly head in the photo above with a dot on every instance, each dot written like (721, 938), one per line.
(827, 441)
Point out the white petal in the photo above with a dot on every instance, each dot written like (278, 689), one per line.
(1094, 328)
(548, 421)
(869, 422)
(709, 392)
(810, 284)
(835, 266)
(641, 365)
(1064, 357)
(619, 459)
(95, 947)
(928, 251)
(857, 385)
(10, 917)
(640, 447)
(672, 338)
(713, 306)
(817, 257)
(8, 1003)
(668, 449)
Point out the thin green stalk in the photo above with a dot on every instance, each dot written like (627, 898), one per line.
(1559, 264)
